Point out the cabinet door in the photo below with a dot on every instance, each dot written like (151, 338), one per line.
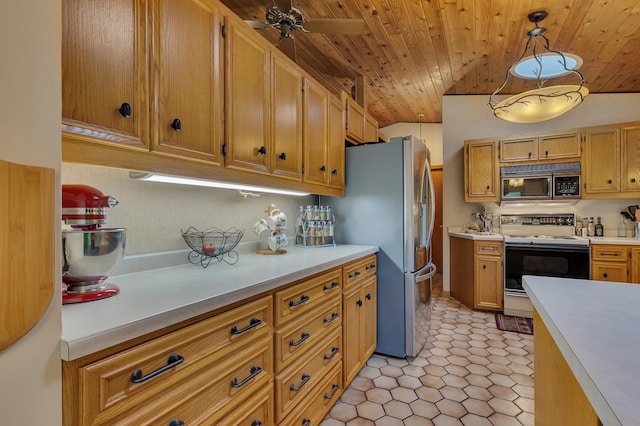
(609, 271)
(247, 101)
(188, 79)
(488, 288)
(601, 171)
(336, 142)
(634, 265)
(105, 88)
(287, 120)
(630, 141)
(515, 150)
(355, 121)
(351, 334)
(480, 176)
(369, 315)
(315, 133)
(370, 129)
(560, 146)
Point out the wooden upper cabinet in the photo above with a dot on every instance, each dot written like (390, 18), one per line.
(563, 146)
(316, 169)
(286, 157)
(355, 121)
(187, 59)
(336, 142)
(630, 142)
(247, 99)
(601, 160)
(481, 177)
(370, 129)
(104, 71)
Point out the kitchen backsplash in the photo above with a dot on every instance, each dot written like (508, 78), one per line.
(154, 213)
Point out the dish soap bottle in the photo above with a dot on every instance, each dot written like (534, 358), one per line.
(599, 228)
(622, 227)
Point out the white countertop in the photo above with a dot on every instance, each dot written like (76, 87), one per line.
(154, 299)
(620, 241)
(460, 232)
(595, 324)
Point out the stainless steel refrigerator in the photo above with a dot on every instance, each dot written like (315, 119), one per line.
(389, 202)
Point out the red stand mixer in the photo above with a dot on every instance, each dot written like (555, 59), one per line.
(90, 253)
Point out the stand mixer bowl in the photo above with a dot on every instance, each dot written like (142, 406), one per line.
(90, 256)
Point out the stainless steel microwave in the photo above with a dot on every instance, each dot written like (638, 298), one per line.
(551, 181)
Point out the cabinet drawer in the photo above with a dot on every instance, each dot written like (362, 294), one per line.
(317, 404)
(360, 269)
(488, 248)
(211, 386)
(609, 271)
(300, 298)
(294, 383)
(610, 253)
(257, 410)
(163, 362)
(296, 338)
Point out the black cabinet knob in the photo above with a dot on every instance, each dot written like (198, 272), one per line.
(529, 155)
(125, 110)
(633, 180)
(282, 156)
(176, 422)
(334, 172)
(605, 275)
(323, 169)
(262, 150)
(488, 186)
(359, 302)
(546, 153)
(609, 181)
(176, 124)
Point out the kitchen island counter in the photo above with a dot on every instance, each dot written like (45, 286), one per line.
(594, 325)
(151, 300)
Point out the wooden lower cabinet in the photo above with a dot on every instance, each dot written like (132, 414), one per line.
(236, 366)
(479, 286)
(559, 398)
(610, 263)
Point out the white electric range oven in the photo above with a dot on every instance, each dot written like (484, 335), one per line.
(539, 244)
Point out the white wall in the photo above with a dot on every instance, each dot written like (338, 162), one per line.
(30, 134)
(430, 133)
(469, 117)
(154, 213)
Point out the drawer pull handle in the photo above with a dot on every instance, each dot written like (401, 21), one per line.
(255, 370)
(172, 361)
(334, 316)
(334, 351)
(334, 390)
(334, 284)
(305, 379)
(604, 253)
(355, 274)
(488, 249)
(304, 336)
(303, 299)
(256, 423)
(372, 266)
(253, 323)
(306, 422)
(176, 422)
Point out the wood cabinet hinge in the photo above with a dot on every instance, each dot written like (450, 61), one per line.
(223, 149)
(303, 169)
(223, 30)
(303, 87)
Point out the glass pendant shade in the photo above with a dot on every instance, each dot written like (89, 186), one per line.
(540, 104)
(546, 65)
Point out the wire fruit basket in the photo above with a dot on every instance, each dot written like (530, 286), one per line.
(212, 243)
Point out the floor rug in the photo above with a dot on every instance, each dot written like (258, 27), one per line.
(515, 324)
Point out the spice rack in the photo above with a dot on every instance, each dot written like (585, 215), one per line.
(315, 226)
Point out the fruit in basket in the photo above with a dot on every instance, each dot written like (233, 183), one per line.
(208, 248)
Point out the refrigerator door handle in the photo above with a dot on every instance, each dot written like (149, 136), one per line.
(426, 273)
(427, 180)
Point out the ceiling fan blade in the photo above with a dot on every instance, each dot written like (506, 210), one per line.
(283, 5)
(257, 24)
(335, 26)
(288, 46)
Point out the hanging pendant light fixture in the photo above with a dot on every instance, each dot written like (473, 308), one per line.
(543, 103)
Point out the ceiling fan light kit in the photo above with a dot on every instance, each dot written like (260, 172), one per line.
(543, 103)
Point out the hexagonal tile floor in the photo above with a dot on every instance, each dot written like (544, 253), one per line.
(469, 373)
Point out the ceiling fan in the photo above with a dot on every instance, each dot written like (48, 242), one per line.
(285, 18)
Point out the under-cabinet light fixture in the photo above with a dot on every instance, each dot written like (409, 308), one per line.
(153, 177)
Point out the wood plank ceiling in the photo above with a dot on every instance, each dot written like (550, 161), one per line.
(415, 51)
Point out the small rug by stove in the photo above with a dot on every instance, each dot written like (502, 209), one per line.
(514, 324)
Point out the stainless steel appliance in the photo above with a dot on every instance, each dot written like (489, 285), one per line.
(389, 203)
(551, 181)
(540, 244)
